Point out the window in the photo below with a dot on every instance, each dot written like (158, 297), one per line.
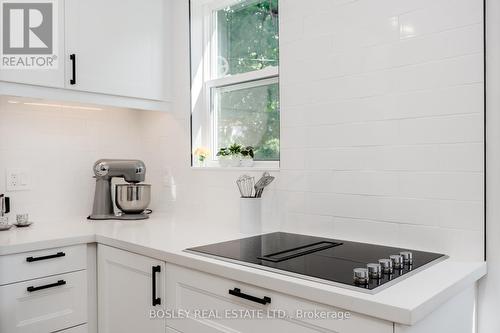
(235, 82)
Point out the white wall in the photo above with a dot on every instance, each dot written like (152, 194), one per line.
(382, 113)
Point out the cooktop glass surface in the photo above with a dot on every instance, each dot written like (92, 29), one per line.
(320, 258)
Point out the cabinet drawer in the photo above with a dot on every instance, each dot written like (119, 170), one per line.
(193, 290)
(44, 305)
(31, 265)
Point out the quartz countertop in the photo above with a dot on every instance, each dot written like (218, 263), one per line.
(165, 236)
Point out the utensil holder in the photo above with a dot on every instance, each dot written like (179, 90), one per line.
(251, 216)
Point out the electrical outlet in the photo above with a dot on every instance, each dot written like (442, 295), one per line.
(18, 180)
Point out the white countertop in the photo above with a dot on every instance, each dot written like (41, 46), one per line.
(165, 237)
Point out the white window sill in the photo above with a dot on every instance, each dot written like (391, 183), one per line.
(218, 168)
(258, 166)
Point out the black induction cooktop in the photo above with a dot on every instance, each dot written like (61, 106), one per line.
(320, 259)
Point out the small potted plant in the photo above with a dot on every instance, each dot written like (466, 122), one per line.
(225, 158)
(201, 154)
(247, 155)
(236, 155)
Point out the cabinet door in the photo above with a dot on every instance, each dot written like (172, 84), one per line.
(44, 305)
(53, 77)
(125, 291)
(119, 47)
(206, 305)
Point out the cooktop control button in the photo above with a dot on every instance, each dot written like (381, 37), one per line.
(397, 261)
(361, 276)
(407, 257)
(374, 271)
(386, 265)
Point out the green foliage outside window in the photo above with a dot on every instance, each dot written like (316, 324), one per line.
(248, 41)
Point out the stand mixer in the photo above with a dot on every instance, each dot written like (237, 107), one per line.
(131, 198)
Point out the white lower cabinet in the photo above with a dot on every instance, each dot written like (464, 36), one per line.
(44, 305)
(209, 307)
(129, 286)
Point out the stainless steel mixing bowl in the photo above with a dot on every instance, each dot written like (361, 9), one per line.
(133, 198)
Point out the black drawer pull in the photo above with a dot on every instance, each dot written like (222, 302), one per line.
(72, 57)
(156, 300)
(57, 284)
(237, 292)
(52, 256)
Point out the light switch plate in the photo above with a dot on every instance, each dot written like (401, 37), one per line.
(18, 180)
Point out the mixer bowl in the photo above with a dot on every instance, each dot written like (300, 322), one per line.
(132, 198)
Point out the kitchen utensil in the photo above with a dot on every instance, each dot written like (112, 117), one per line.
(239, 183)
(132, 198)
(246, 185)
(264, 181)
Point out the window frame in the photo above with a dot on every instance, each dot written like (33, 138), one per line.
(204, 53)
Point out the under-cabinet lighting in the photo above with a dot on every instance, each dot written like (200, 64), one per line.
(63, 106)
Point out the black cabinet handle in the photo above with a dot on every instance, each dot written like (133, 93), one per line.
(156, 300)
(237, 292)
(52, 285)
(52, 256)
(72, 57)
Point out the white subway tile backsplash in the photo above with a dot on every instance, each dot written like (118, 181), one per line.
(450, 129)
(384, 101)
(462, 99)
(355, 134)
(366, 182)
(439, 16)
(462, 157)
(397, 53)
(292, 159)
(365, 230)
(385, 30)
(465, 215)
(320, 225)
(386, 209)
(406, 158)
(292, 137)
(291, 180)
(320, 203)
(455, 186)
(444, 73)
(291, 202)
(320, 181)
(449, 241)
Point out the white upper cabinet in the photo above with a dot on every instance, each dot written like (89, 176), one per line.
(53, 77)
(119, 47)
(107, 50)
